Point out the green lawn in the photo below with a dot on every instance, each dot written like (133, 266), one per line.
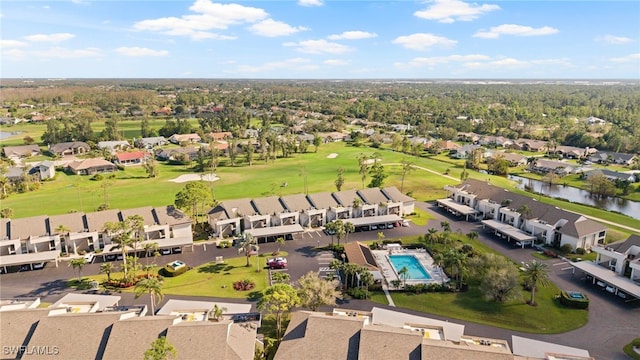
(211, 279)
(549, 317)
(420, 218)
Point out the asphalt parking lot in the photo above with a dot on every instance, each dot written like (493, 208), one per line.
(612, 322)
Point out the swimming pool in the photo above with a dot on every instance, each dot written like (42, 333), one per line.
(416, 270)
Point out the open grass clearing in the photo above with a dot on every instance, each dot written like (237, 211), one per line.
(548, 317)
(210, 279)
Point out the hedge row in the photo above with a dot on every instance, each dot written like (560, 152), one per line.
(568, 301)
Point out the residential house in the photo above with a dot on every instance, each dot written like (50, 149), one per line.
(529, 145)
(219, 136)
(446, 145)
(21, 151)
(251, 133)
(324, 200)
(523, 219)
(270, 206)
(69, 148)
(470, 137)
(14, 174)
(150, 142)
(607, 157)
(43, 170)
(114, 146)
(185, 138)
(164, 111)
(176, 154)
(91, 166)
(73, 231)
(463, 152)
(350, 204)
(333, 137)
(374, 202)
(571, 152)
(495, 141)
(308, 215)
(592, 120)
(132, 158)
(611, 175)
(231, 217)
(543, 166)
(513, 158)
(622, 257)
(395, 196)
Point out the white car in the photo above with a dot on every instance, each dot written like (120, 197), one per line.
(610, 289)
(88, 258)
(38, 266)
(165, 251)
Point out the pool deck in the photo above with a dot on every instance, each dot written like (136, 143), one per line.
(390, 274)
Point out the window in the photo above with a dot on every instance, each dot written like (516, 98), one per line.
(602, 233)
(52, 245)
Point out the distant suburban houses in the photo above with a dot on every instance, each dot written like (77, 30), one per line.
(69, 148)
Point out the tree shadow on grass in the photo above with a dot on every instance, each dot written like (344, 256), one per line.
(216, 268)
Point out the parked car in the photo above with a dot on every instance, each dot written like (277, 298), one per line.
(610, 289)
(405, 223)
(38, 266)
(277, 263)
(165, 251)
(88, 258)
(111, 257)
(389, 226)
(177, 250)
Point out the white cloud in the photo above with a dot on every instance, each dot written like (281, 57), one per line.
(52, 38)
(422, 41)
(626, 59)
(515, 30)
(140, 51)
(352, 35)
(319, 47)
(310, 2)
(436, 60)
(294, 64)
(12, 43)
(208, 16)
(64, 53)
(448, 11)
(273, 28)
(614, 40)
(336, 62)
(13, 54)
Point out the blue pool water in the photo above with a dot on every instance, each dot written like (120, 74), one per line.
(416, 271)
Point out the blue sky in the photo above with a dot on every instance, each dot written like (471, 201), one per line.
(320, 39)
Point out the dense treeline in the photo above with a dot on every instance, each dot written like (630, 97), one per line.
(545, 111)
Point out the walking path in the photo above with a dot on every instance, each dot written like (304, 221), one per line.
(386, 293)
(426, 169)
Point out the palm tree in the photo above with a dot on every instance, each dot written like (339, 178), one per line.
(151, 286)
(150, 248)
(456, 260)
(280, 242)
(432, 235)
(247, 245)
(536, 273)
(404, 274)
(348, 229)
(445, 226)
(107, 269)
(63, 231)
(217, 312)
(77, 265)
(472, 235)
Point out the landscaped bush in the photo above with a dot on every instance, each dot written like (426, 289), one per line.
(168, 271)
(244, 285)
(568, 301)
(119, 284)
(550, 253)
(224, 244)
(580, 251)
(359, 293)
(629, 349)
(390, 241)
(336, 248)
(566, 248)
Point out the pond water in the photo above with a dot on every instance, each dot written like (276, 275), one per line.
(8, 134)
(575, 195)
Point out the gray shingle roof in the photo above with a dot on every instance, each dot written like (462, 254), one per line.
(372, 196)
(323, 200)
(18, 324)
(146, 212)
(268, 205)
(346, 197)
(25, 227)
(296, 202)
(96, 220)
(170, 215)
(394, 194)
(132, 337)
(75, 222)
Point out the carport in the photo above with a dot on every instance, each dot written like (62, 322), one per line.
(162, 244)
(510, 232)
(28, 259)
(457, 209)
(374, 220)
(600, 273)
(275, 231)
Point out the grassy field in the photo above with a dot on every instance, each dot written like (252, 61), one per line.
(211, 279)
(549, 317)
(282, 177)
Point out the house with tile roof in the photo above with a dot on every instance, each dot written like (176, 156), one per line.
(184, 138)
(69, 148)
(544, 166)
(91, 166)
(21, 151)
(131, 158)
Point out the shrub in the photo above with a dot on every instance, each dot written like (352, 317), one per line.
(335, 248)
(244, 285)
(391, 241)
(568, 301)
(121, 284)
(550, 253)
(169, 271)
(566, 248)
(580, 251)
(224, 244)
(359, 293)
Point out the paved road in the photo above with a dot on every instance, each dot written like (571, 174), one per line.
(612, 323)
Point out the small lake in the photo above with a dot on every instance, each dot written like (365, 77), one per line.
(7, 134)
(575, 195)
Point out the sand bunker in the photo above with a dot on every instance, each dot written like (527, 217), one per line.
(195, 177)
(332, 156)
